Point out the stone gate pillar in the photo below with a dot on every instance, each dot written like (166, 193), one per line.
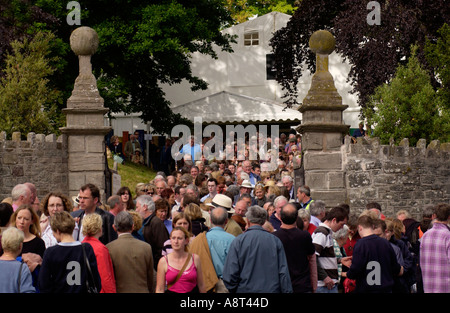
(322, 128)
(85, 128)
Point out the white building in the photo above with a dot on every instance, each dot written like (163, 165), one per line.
(245, 75)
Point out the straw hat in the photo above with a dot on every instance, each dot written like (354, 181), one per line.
(223, 201)
(246, 184)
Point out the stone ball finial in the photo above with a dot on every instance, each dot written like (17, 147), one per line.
(84, 41)
(322, 42)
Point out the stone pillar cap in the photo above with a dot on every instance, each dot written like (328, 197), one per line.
(322, 42)
(84, 41)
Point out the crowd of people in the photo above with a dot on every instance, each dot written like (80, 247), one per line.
(217, 227)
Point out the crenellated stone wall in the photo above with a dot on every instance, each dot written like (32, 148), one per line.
(397, 177)
(40, 159)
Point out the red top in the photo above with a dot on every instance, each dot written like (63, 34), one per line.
(311, 228)
(104, 264)
(350, 244)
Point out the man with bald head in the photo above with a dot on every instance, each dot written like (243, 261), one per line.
(219, 242)
(299, 250)
(241, 207)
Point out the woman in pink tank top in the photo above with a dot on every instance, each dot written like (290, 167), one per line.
(170, 265)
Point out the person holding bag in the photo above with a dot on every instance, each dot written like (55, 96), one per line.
(180, 270)
(66, 268)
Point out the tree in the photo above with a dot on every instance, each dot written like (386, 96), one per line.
(19, 19)
(242, 10)
(373, 51)
(27, 103)
(408, 106)
(142, 45)
(291, 43)
(438, 56)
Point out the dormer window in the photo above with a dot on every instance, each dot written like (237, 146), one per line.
(251, 38)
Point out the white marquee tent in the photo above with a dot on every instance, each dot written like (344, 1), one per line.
(230, 108)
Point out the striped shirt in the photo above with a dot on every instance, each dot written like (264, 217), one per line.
(435, 259)
(326, 258)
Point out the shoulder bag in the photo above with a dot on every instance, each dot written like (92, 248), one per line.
(20, 276)
(91, 288)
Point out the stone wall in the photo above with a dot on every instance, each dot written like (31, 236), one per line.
(40, 159)
(397, 177)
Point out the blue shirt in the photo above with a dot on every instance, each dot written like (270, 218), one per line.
(219, 242)
(168, 224)
(9, 274)
(254, 178)
(256, 263)
(195, 151)
(205, 197)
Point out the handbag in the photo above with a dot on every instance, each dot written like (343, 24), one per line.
(181, 271)
(91, 288)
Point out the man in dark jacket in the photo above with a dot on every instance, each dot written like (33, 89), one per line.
(298, 247)
(89, 197)
(153, 229)
(374, 264)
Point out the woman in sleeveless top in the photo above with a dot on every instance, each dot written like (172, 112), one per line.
(169, 267)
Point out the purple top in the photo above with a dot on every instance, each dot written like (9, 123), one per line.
(435, 259)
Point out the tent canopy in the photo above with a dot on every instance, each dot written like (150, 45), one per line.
(229, 108)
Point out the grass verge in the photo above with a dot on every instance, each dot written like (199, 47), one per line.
(131, 174)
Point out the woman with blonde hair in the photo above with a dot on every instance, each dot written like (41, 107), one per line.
(137, 224)
(260, 194)
(26, 219)
(180, 268)
(194, 212)
(273, 191)
(180, 220)
(92, 230)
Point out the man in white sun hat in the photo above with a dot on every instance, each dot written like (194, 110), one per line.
(245, 188)
(223, 201)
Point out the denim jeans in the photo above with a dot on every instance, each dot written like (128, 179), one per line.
(324, 289)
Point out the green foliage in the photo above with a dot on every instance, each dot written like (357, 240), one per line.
(438, 55)
(373, 51)
(408, 107)
(27, 103)
(242, 10)
(142, 45)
